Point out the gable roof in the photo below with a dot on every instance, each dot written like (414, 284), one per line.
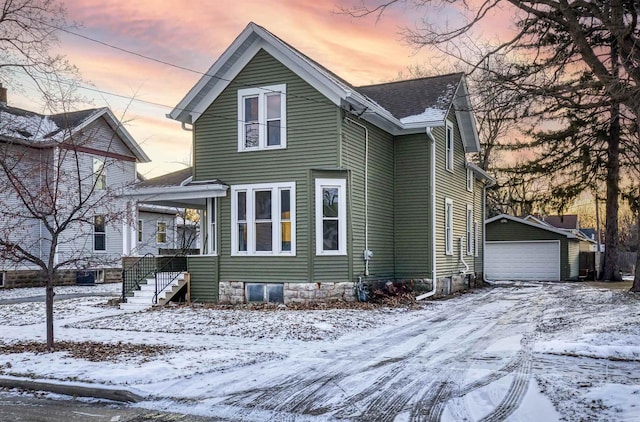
(176, 178)
(406, 113)
(35, 128)
(566, 233)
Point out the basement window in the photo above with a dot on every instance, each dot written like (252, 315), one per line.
(3, 275)
(264, 292)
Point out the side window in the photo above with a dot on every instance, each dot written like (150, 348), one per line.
(449, 147)
(331, 217)
(99, 234)
(99, 174)
(469, 230)
(470, 179)
(140, 235)
(448, 226)
(262, 118)
(161, 232)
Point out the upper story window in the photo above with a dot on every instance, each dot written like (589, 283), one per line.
(262, 118)
(470, 179)
(331, 217)
(99, 174)
(263, 219)
(449, 147)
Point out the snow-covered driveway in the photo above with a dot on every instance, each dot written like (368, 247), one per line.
(531, 352)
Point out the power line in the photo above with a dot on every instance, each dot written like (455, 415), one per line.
(166, 63)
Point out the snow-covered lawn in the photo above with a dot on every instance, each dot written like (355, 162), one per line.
(529, 352)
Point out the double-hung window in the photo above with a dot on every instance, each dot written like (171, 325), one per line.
(331, 217)
(449, 147)
(470, 179)
(99, 234)
(470, 230)
(448, 226)
(263, 219)
(140, 232)
(262, 118)
(99, 174)
(161, 232)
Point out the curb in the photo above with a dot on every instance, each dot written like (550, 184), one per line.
(87, 390)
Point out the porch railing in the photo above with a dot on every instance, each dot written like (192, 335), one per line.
(169, 271)
(140, 270)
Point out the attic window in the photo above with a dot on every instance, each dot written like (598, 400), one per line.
(262, 115)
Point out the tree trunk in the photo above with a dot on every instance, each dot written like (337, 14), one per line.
(49, 312)
(636, 277)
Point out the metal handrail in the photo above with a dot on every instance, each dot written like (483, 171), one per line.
(138, 271)
(169, 272)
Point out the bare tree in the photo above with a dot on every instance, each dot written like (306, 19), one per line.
(58, 200)
(28, 33)
(573, 55)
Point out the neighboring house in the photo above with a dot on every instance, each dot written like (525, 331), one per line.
(163, 229)
(527, 249)
(85, 151)
(307, 184)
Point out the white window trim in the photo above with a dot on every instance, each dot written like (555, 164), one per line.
(103, 233)
(276, 234)
(449, 152)
(100, 173)
(212, 241)
(470, 179)
(166, 237)
(341, 184)
(448, 226)
(140, 231)
(262, 92)
(469, 232)
(476, 238)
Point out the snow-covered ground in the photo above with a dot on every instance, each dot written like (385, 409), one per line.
(523, 352)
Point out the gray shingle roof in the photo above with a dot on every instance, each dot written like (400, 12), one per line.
(412, 97)
(32, 126)
(170, 179)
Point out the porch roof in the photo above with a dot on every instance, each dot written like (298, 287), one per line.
(176, 189)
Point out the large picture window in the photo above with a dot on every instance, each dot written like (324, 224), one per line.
(99, 233)
(331, 217)
(263, 219)
(262, 118)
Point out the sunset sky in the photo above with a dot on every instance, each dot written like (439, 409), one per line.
(192, 34)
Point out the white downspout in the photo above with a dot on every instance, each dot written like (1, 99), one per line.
(434, 273)
(466, 266)
(367, 253)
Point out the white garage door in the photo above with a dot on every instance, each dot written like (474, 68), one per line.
(523, 260)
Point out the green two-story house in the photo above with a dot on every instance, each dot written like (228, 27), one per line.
(307, 184)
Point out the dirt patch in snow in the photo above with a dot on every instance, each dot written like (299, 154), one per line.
(89, 350)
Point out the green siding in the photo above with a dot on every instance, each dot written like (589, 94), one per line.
(452, 185)
(312, 142)
(204, 278)
(412, 207)
(380, 197)
(515, 231)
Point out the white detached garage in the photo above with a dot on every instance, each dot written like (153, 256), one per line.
(518, 249)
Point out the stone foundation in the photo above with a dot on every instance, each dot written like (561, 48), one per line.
(232, 292)
(35, 278)
(444, 287)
